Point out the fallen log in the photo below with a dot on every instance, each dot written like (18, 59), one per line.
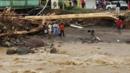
(51, 17)
(74, 16)
(21, 32)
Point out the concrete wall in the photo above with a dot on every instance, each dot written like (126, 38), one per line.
(90, 4)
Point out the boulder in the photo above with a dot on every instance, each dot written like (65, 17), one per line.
(34, 42)
(11, 52)
(23, 51)
(53, 50)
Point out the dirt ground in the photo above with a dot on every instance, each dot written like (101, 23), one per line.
(111, 55)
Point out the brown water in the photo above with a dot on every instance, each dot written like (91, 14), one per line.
(73, 56)
(80, 58)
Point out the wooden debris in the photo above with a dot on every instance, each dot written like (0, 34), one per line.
(21, 32)
(12, 24)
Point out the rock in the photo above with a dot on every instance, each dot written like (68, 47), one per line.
(7, 43)
(20, 51)
(34, 42)
(23, 51)
(128, 41)
(53, 50)
(32, 51)
(10, 52)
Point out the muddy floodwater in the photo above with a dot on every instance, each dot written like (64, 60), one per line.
(111, 55)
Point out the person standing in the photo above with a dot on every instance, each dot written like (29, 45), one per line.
(119, 24)
(50, 30)
(129, 5)
(62, 27)
(45, 28)
(97, 4)
(55, 29)
(74, 3)
(82, 3)
(118, 5)
(70, 3)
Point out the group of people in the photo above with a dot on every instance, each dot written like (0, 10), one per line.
(101, 4)
(54, 29)
(74, 3)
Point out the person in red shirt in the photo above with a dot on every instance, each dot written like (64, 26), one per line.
(82, 3)
(62, 27)
(119, 24)
(129, 5)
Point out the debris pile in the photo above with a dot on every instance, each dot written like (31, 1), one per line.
(14, 24)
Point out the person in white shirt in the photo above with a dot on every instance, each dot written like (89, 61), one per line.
(118, 8)
(49, 30)
(55, 29)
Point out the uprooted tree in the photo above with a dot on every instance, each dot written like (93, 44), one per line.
(13, 24)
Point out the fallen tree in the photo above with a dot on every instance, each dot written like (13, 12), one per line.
(14, 24)
(74, 16)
